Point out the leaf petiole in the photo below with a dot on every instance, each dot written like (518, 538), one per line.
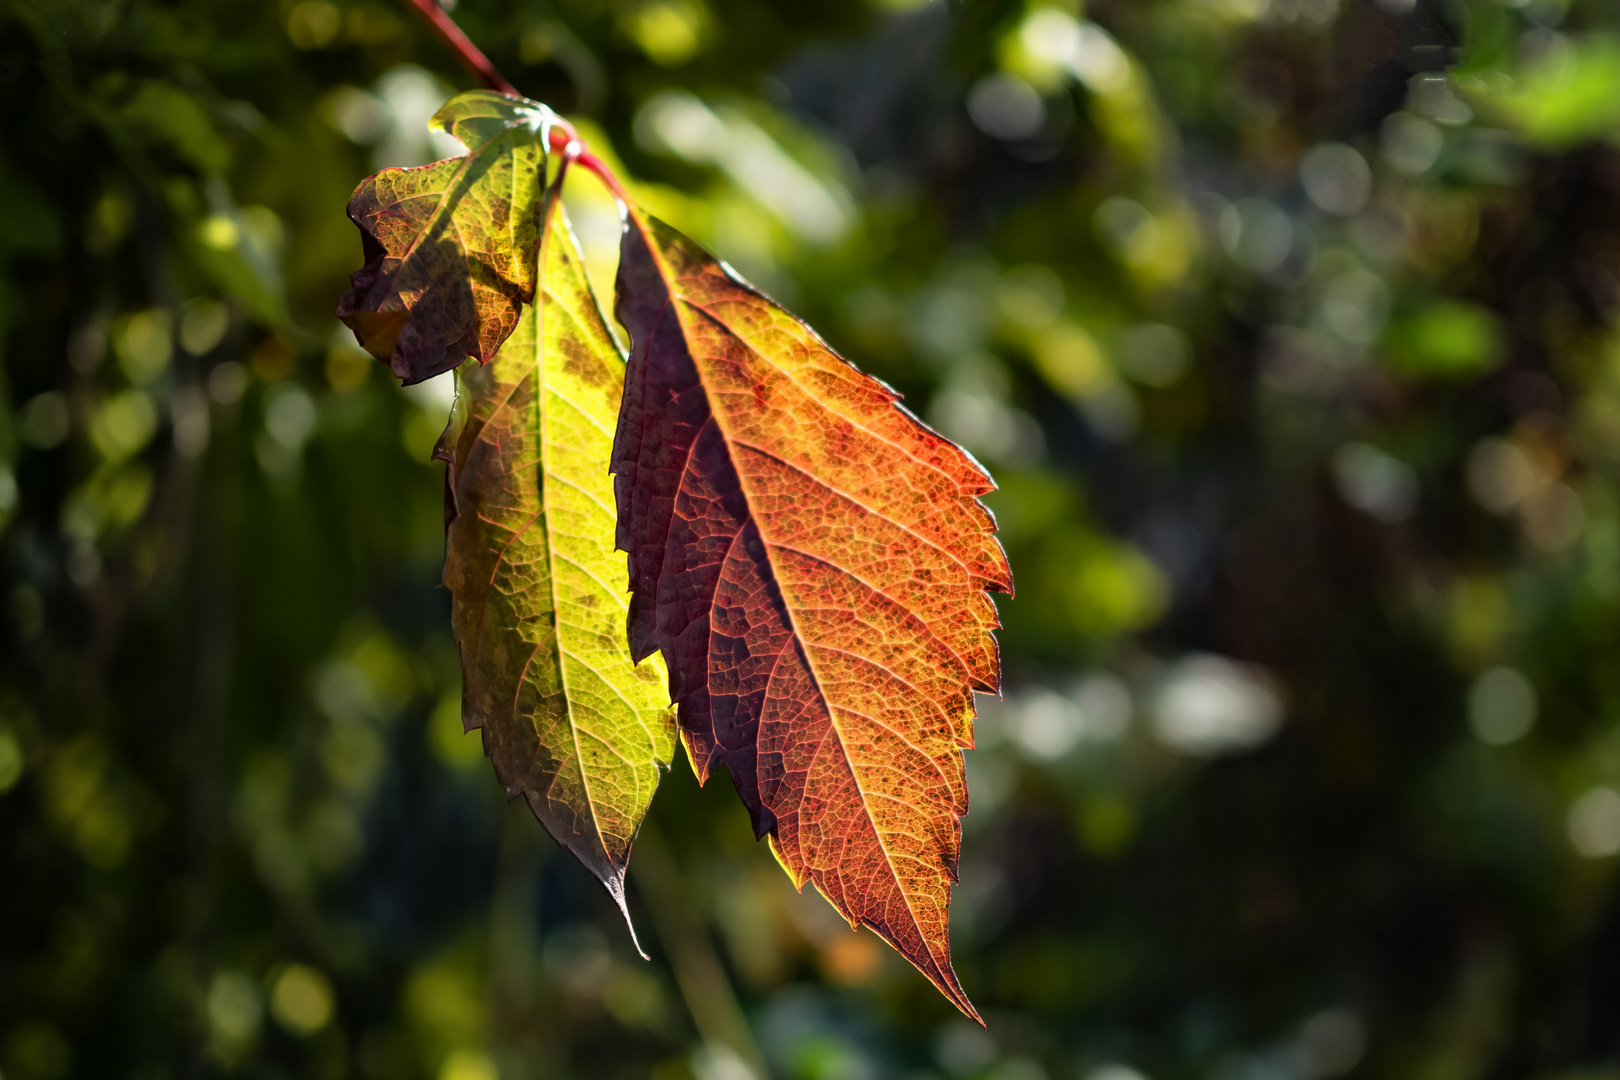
(597, 167)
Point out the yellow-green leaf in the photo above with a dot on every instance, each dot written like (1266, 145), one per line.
(539, 592)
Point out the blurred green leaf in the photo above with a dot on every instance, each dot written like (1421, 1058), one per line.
(168, 114)
(1446, 339)
(1570, 93)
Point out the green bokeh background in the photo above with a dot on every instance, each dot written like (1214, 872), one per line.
(1288, 328)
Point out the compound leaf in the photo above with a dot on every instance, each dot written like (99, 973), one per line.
(813, 563)
(538, 608)
(450, 246)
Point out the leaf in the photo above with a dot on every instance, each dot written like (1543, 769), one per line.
(569, 720)
(1445, 339)
(165, 113)
(812, 561)
(450, 246)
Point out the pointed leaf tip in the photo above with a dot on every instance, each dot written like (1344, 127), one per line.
(615, 888)
(813, 563)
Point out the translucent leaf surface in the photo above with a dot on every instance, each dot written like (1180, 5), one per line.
(813, 563)
(539, 607)
(450, 246)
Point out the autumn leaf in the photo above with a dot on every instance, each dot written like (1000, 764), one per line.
(538, 602)
(450, 246)
(813, 563)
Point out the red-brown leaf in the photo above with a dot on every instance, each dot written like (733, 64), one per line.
(813, 563)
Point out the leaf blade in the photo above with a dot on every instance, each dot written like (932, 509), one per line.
(449, 246)
(813, 563)
(569, 720)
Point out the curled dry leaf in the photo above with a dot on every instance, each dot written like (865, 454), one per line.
(450, 246)
(813, 563)
(538, 604)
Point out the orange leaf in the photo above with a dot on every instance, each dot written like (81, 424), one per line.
(813, 563)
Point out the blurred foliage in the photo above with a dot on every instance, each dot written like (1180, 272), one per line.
(1290, 328)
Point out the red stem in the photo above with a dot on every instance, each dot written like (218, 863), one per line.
(478, 65)
(595, 165)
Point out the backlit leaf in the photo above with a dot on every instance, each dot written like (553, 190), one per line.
(450, 246)
(539, 606)
(813, 563)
